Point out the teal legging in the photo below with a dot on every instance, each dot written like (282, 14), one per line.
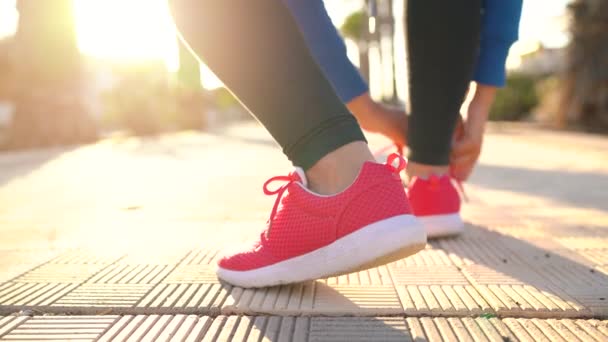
(256, 49)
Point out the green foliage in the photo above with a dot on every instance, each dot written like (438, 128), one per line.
(140, 101)
(516, 99)
(354, 26)
(189, 73)
(224, 99)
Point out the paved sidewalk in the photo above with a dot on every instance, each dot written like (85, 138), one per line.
(117, 241)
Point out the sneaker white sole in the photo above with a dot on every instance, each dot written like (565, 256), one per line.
(438, 226)
(375, 244)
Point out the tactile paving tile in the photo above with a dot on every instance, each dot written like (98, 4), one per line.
(374, 276)
(584, 242)
(483, 247)
(443, 291)
(356, 300)
(59, 328)
(192, 273)
(87, 256)
(201, 257)
(16, 262)
(430, 256)
(88, 296)
(159, 257)
(61, 273)
(598, 256)
(157, 328)
(358, 329)
(317, 328)
(201, 298)
(286, 300)
(9, 323)
(221, 328)
(513, 290)
(132, 274)
(32, 294)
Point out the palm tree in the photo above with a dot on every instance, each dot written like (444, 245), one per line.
(49, 80)
(355, 28)
(585, 96)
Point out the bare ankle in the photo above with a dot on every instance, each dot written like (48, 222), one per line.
(425, 171)
(337, 170)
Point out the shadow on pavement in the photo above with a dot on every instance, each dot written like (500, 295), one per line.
(21, 163)
(581, 189)
(520, 278)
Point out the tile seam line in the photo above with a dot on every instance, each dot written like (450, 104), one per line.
(214, 314)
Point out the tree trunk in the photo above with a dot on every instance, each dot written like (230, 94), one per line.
(49, 82)
(585, 87)
(364, 60)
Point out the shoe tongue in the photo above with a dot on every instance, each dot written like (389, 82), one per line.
(300, 172)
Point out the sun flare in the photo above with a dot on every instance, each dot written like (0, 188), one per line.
(126, 30)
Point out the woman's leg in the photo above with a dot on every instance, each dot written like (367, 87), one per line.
(255, 47)
(443, 41)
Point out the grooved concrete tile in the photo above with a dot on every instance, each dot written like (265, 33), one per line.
(356, 300)
(104, 295)
(374, 276)
(288, 328)
(430, 256)
(584, 242)
(596, 256)
(557, 330)
(201, 257)
(442, 300)
(421, 275)
(482, 247)
(33, 294)
(511, 291)
(437, 329)
(87, 256)
(445, 291)
(51, 328)
(131, 274)
(158, 328)
(221, 328)
(459, 329)
(60, 273)
(159, 257)
(16, 262)
(351, 329)
(285, 300)
(188, 297)
(192, 273)
(9, 323)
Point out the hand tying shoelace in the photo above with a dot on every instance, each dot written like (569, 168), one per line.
(458, 182)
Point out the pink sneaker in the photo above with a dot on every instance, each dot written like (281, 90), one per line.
(436, 204)
(311, 236)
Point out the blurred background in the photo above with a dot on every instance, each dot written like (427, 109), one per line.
(72, 71)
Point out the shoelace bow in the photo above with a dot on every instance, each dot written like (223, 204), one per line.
(399, 148)
(289, 179)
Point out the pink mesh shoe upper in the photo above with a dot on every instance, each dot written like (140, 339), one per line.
(434, 196)
(302, 221)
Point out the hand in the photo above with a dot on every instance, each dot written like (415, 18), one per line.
(378, 118)
(468, 139)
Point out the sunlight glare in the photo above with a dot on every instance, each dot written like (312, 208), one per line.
(126, 30)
